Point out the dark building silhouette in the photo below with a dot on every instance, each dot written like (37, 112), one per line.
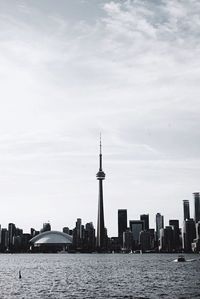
(89, 238)
(186, 209)
(136, 226)
(145, 240)
(78, 235)
(4, 239)
(189, 234)
(127, 240)
(196, 207)
(101, 232)
(176, 239)
(159, 224)
(196, 242)
(166, 239)
(46, 227)
(145, 218)
(122, 224)
(11, 234)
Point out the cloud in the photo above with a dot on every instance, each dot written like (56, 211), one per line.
(126, 68)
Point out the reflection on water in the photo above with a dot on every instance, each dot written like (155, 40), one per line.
(98, 276)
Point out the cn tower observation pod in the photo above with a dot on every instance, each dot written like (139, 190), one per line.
(50, 241)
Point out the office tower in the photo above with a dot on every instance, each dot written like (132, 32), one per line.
(11, 234)
(159, 224)
(145, 240)
(78, 234)
(100, 218)
(122, 224)
(196, 242)
(196, 207)
(145, 218)
(176, 240)
(136, 226)
(186, 209)
(189, 234)
(4, 239)
(152, 237)
(127, 240)
(166, 239)
(89, 239)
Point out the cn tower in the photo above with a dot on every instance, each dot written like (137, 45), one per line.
(100, 221)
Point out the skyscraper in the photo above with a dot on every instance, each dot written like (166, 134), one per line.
(122, 224)
(136, 226)
(159, 224)
(196, 207)
(186, 209)
(101, 236)
(189, 234)
(176, 232)
(145, 218)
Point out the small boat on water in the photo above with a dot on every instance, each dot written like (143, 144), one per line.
(181, 258)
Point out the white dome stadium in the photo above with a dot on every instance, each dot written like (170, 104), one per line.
(51, 237)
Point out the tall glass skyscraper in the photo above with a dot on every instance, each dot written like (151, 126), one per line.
(196, 207)
(186, 209)
(122, 224)
(159, 224)
(145, 218)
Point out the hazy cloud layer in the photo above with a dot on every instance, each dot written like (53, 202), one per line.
(71, 69)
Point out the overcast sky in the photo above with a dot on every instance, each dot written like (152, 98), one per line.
(72, 69)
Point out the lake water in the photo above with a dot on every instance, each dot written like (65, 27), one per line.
(98, 276)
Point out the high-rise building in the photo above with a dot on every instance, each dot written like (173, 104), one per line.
(11, 234)
(145, 218)
(127, 240)
(189, 234)
(166, 239)
(89, 240)
(196, 207)
(159, 224)
(136, 226)
(175, 227)
(4, 240)
(145, 240)
(101, 233)
(186, 209)
(196, 242)
(122, 224)
(78, 234)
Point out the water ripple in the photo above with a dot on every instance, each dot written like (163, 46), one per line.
(95, 276)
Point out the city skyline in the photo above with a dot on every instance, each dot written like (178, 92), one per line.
(137, 237)
(72, 69)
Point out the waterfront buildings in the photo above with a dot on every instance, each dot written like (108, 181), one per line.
(138, 236)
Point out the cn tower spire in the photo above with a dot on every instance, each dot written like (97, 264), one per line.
(101, 236)
(100, 155)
